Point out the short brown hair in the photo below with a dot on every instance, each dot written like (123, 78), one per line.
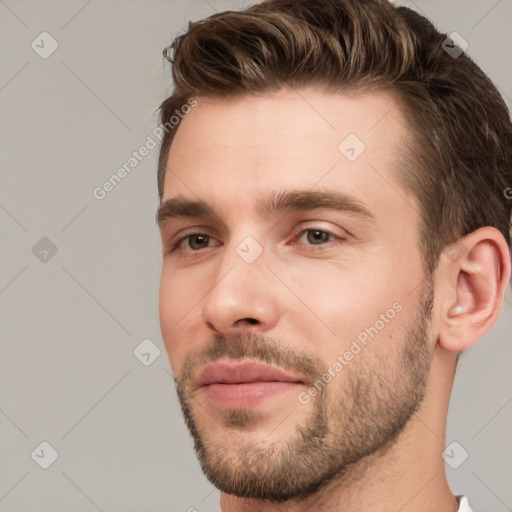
(459, 163)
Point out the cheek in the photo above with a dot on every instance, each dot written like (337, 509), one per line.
(169, 307)
(347, 301)
(179, 292)
(178, 311)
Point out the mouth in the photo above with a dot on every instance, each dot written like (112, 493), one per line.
(244, 384)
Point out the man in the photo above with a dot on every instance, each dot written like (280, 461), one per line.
(335, 232)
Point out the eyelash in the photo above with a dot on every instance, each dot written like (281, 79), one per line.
(306, 230)
(175, 246)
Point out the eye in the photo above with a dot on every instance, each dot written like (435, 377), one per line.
(315, 237)
(193, 242)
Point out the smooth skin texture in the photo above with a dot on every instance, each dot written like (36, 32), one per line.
(311, 293)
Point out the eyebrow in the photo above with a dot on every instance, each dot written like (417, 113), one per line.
(275, 202)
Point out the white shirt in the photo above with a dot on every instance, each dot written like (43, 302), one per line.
(463, 504)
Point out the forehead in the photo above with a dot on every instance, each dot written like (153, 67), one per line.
(295, 138)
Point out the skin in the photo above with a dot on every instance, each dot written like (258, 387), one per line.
(315, 299)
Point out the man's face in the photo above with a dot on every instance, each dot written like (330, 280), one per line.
(293, 304)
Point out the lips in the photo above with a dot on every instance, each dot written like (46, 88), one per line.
(244, 384)
(242, 373)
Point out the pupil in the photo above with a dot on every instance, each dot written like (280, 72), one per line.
(198, 241)
(318, 236)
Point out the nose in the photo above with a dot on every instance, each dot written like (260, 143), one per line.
(242, 297)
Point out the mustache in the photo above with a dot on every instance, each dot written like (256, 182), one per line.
(252, 346)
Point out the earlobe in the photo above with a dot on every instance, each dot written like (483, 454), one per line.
(476, 284)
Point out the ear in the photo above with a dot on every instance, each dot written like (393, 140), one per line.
(473, 275)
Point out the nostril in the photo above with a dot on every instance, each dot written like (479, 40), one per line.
(251, 321)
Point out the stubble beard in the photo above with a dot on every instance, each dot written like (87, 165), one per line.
(359, 413)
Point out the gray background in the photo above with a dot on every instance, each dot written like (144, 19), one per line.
(69, 325)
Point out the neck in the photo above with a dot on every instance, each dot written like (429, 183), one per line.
(409, 474)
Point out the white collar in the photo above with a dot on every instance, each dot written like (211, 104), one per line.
(463, 504)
